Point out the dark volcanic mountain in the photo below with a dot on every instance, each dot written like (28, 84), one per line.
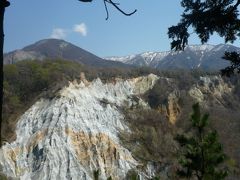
(206, 57)
(55, 48)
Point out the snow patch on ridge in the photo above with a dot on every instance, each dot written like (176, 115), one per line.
(203, 47)
(123, 59)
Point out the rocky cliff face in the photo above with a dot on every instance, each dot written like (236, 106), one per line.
(208, 91)
(76, 133)
(70, 136)
(172, 108)
(210, 86)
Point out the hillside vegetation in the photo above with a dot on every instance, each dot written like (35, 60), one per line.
(152, 137)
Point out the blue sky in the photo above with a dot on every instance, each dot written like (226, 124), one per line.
(84, 25)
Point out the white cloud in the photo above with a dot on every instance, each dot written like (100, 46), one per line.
(80, 28)
(58, 33)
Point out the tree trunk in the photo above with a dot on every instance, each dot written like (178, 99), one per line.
(3, 5)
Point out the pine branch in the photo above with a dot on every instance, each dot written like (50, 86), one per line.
(236, 5)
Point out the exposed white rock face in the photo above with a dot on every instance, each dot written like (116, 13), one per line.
(22, 55)
(74, 134)
(210, 85)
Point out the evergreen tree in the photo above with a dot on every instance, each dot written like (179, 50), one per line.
(206, 17)
(201, 153)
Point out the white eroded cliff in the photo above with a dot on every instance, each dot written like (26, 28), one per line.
(210, 86)
(70, 136)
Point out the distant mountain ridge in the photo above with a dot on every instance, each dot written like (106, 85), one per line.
(55, 48)
(206, 57)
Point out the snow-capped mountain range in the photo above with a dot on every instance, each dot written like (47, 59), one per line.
(207, 57)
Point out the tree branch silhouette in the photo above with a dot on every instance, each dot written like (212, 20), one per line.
(236, 5)
(115, 5)
(208, 17)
